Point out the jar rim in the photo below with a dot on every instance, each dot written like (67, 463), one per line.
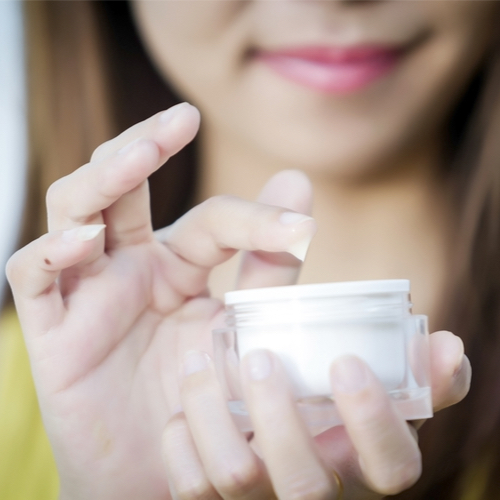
(337, 289)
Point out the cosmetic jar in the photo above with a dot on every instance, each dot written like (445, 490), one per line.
(308, 326)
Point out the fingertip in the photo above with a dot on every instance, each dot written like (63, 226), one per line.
(447, 352)
(179, 126)
(167, 116)
(194, 111)
(258, 365)
(349, 375)
(290, 189)
(302, 229)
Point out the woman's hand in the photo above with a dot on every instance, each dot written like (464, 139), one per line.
(115, 321)
(373, 455)
(109, 314)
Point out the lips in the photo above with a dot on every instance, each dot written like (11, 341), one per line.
(340, 70)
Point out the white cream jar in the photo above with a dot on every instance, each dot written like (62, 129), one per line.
(308, 326)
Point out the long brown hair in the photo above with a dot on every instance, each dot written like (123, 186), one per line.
(90, 78)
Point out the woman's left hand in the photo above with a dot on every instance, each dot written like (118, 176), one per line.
(374, 454)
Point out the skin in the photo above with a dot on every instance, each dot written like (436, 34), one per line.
(116, 354)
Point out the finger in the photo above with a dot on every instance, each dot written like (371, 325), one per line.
(118, 180)
(289, 189)
(185, 471)
(212, 232)
(230, 464)
(388, 452)
(32, 272)
(150, 128)
(450, 369)
(288, 451)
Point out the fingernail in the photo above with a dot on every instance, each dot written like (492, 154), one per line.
(167, 115)
(348, 374)
(195, 361)
(83, 233)
(289, 218)
(129, 147)
(258, 365)
(458, 354)
(299, 248)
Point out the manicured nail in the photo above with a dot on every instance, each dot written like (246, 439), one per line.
(129, 147)
(299, 248)
(348, 374)
(289, 218)
(83, 233)
(195, 361)
(457, 353)
(167, 115)
(258, 364)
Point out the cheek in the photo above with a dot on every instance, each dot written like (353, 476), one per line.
(190, 19)
(191, 42)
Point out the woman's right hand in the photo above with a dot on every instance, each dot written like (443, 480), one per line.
(108, 314)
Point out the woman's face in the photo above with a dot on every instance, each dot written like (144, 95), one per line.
(320, 85)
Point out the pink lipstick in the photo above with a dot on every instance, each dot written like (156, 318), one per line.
(337, 70)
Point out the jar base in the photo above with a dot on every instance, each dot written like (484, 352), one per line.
(320, 412)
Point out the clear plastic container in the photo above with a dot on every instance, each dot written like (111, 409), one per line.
(308, 326)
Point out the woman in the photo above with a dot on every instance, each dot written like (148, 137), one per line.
(361, 97)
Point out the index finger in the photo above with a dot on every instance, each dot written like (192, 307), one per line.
(115, 180)
(212, 232)
(149, 128)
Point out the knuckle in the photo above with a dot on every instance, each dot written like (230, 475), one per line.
(215, 203)
(399, 477)
(239, 479)
(13, 268)
(175, 426)
(196, 489)
(54, 192)
(307, 488)
(100, 151)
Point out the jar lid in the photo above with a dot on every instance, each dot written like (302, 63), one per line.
(339, 289)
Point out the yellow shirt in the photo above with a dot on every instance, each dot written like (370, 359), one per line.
(27, 468)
